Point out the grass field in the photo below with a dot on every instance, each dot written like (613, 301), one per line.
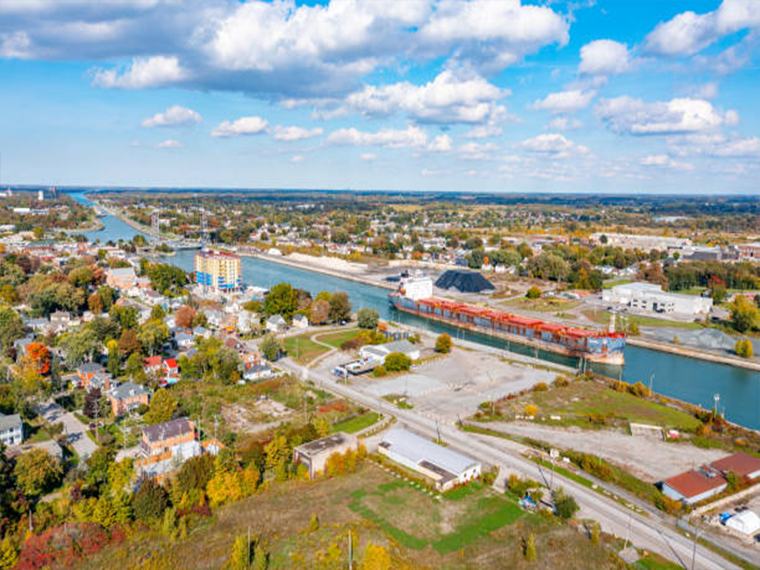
(358, 423)
(302, 349)
(603, 318)
(476, 530)
(335, 339)
(542, 305)
(583, 398)
(611, 284)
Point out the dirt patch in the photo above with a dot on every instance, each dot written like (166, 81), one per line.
(262, 415)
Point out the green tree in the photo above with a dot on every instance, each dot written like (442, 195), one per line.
(162, 408)
(126, 316)
(80, 346)
(367, 318)
(744, 348)
(443, 343)
(152, 334)
(530, 548)
(340, 307)
(150, 501)
(260, 557)
(565, 505)
(595, 532)
(282, 299)
(397, 361)
(270, 346)
(745, 315)
(37, 471)
(11, 327)
(81, 276)
(114, 360)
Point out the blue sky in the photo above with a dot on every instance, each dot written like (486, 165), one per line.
(643, 97)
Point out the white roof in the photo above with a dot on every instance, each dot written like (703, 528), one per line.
(417, 449)
(746, 521)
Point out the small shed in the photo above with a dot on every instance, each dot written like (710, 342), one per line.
(745, 522)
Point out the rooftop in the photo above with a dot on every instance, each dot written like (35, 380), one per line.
(418, 449)
(693, 483)
(743, 464)
(320, 445)
(9, 422)
(167, 430)
(128, 389)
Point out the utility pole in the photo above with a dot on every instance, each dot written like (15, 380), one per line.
(350, 551)
(248, 558)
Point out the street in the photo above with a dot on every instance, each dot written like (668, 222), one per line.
(74, 429)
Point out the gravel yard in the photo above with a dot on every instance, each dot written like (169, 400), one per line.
(647, 458)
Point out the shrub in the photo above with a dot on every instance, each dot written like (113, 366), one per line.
(744, 348)
(379, 371)
(533, 293)
(443, 344)
(633, 329)
(530, 549)
(561, 381)
(540, 387)
(565, 505)
(397, 361)
(530, 409)
(367, 318)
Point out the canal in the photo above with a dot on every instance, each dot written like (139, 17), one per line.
(688, 379)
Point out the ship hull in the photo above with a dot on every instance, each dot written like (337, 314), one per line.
(611, 355)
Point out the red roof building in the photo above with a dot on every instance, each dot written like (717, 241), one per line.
(695, 485)
(742, 464)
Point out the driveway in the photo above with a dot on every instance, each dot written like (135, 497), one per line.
(74, 429)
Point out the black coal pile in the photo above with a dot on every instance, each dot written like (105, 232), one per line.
(464, 281)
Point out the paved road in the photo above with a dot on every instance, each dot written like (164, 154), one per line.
(648, 532)
(74, 429)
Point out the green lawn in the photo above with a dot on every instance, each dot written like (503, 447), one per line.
(302, 349)
(416, 520)
(611, 284)
(543, 305)
(358, 423)
(335, 339)
(603, 318)
(583, 398)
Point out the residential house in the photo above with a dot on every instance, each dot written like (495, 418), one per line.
(103, 381)
(61, 321)
(164, 447)
(87, 371)
(316, 453)
(184, 340)
(276, 324)
(301, 322)
(128, 397)
(171, 372)
(153, 365)
(256, 372)
(38, 324)
(445, 467)
(11, 429)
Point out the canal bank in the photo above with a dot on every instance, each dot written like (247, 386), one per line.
(671, 374)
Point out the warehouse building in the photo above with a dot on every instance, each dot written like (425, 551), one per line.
(650, 298)
(445, 467)
(694, 486)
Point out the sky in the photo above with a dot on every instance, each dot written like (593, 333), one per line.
(479, 95)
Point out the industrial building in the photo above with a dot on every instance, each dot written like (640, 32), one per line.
(445, 467)
(218, 270)
(378, 352)
(695, 485)
(650, 298)
(316, 453)
(640, 242)
(749, 251)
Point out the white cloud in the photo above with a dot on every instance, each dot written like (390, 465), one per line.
(604, 57)
(707, 90)
(240, 127)
(447, 99)
(411, 137)
(441, 143)
(715, 144)
(295, 133)
(174, 116)
(563, 124)
(565, 101)
(683, 115)
(663, 160)
(486, 131)
(368, 156)
(297, 159)
(688, 33)
(477, 151)
(170, 143)
(144, 72)
(491, 35)
(553, 145)
(15, 45)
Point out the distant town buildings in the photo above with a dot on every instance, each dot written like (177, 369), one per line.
(219, 271)
(749, 251)
(640, 242)
(650, 298)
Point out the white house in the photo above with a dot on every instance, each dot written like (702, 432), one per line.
(11, 429)
(301, 322)
(276, 324)
(257, 372)
(445, 467)
(650, 298)
(380, 351)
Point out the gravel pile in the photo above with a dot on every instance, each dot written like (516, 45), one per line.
(708, 339)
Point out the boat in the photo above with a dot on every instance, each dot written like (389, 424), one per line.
(414, 295)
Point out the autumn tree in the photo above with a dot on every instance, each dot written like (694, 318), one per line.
(376, 557)
(128, 342)
(184, 317)
(240, 556)
(150, 501)
(270, 346)
(152, 335)
(745, 315)
(95, 303)
(39, 356)
(530, 548)
(320, 312)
